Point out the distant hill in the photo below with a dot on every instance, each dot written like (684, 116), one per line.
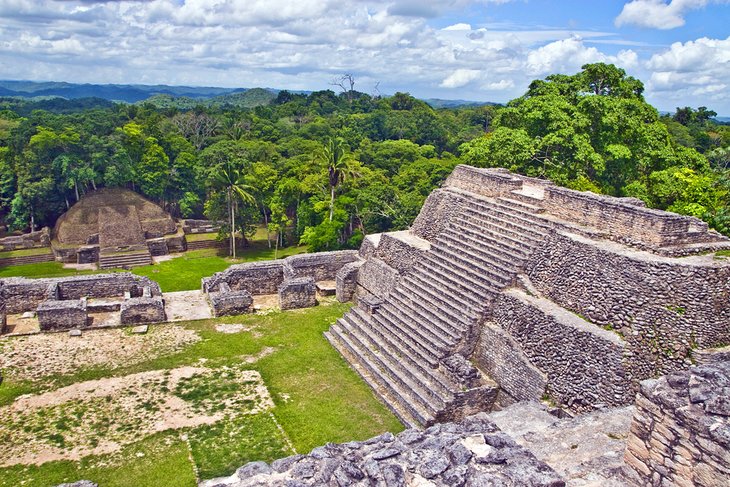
(439, 103)
(251, 98)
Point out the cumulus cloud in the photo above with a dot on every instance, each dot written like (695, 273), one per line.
(657, 14)
(459, 78)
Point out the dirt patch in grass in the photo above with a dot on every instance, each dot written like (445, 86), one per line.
(101, 416)
(36, 357)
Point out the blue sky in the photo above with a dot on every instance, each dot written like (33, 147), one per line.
(479, 50)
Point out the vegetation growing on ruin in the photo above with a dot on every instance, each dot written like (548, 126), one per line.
(590, 131)
(317, 398)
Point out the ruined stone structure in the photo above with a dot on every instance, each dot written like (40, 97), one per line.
(680, 434)
(471, 452)
(547, 291)
(116, 228)
(294, 279)
(65, 303)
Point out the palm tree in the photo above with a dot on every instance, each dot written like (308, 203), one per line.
(340, 164)
(231, 181)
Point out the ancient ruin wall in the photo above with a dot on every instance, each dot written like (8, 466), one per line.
(322, 266)
(680, 434)
(663, 307)
(438, 210)
(255, 277)
(583, 363)
(377, 278)
(21, 294)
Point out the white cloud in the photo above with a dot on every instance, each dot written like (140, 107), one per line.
(459, 78)
(657, 14)
(460, 26)
(500, 85)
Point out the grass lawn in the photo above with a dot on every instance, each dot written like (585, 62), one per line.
(42, 269)
(317, 399)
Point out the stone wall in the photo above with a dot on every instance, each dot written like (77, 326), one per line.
(62, 315)
(40, 238)
(663, 307)
(584, 363)
(298, 292)
(438, 210)
(346, 281)
(472, 452)
(501, 357)
(227, 302)
(142, 310)
(322, 266)
(486, 182)
(255, 277)
(3, 316)
(377, 278)
(21, 294)
(200, 226)
(680, 434)
(400, 250)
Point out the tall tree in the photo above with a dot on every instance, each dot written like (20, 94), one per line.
(231, 180)
(335, 155)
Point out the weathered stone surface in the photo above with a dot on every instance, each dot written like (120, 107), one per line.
(346, 281)
(297, 292)
(321, 266)
(80, 483)
(376, 278)
(227, 303)
(255, 277)
(681, 429)
(142, 310)
(62, 315)
(404, 459)
(21, 294)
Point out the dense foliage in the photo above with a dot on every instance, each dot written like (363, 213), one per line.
(334, 167)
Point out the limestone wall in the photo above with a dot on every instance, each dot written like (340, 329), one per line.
(40, 238)
(21, 294)
(663, 307)
(377, 278)
(346, 281)
(62, 315)
(680, 434)
(438, 210)
(583, 363)
(322, 266)
(298, 292)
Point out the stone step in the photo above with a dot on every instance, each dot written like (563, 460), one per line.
(462, 274)
(489, 234)
(407, 411)
(476, 256)
(26, 259)
(402, 323)
(125, 260)
(432, 397)
(521, 205)
(494, 233)
(384, 326)
(451, 300)
(445, 311)
(439, 328)
(527, 218)
(207, 244)
(475, 264)
(499, 251)
(507, 225)
(445, 280)
(434, 375)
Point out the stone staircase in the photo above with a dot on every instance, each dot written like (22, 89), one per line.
(125, 260)
(402, 348)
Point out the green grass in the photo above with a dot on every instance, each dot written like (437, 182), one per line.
(317, 397)
(723, 253)
(41, 269)
(200, 237)
(25, 252)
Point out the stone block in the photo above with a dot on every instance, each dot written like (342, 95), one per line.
(62, 315)
(227, 302)
(142, 310)
(346, 281)
(299, 292)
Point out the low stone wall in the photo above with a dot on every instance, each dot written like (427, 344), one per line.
(142, 310)
(680, 434)
(663, 307)
(472, 452)
(485, 182)
(501, 357)
(255, 277)
(21, 294)
(40, 238)
(584, 364)
(200, 226)
(227, 302)
(322, 266)
(62, 315)
(3, 318)
(346, 281)
(176, 243)
(401, 250)
(376, 278)
(298, 292)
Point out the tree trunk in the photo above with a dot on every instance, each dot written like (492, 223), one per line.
(332, 202)
(76, 189)
(276, 248)
(233, 227)
(32, 219)
(268, 234)
(93, 184)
